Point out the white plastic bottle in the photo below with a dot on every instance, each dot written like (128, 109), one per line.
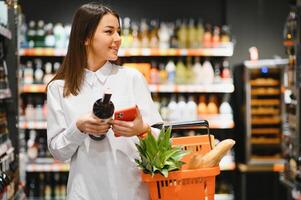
(191, 111)
(198, 71)
(48, 73)
(38, 74)
(171, 72)
(182, 109)
(173, 110)
(208, 73)
(225, 109)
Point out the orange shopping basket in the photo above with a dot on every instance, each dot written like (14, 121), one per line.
(196, 184)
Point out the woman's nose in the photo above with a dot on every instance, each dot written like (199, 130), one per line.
(117, 37)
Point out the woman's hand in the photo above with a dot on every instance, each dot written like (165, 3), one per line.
(91, 124)
(130, 128)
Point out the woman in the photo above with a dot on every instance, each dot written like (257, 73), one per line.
(99, 170)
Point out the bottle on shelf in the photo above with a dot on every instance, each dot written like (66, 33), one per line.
(40, 34)
(28, 73)
(200, 33)
(202, 106)
(216, 36)
(31, 34)
(60, 36)
(48, 73)
(144, 34)
(49, 37)
(225, 34)
(164, 111)
(154, 73)
(182, 109)
(32, 146)
(190, 76)
(162, 74)
(173, 114)
(126, 36)
(135, 33)
(226, 73)
(164, 36)
(171, 72)
(191, 110)
(156, 100)
(38, 73)
(208, 72)
(212, 107)
(192, 35)
(182, 35)
(180, 72)
(197, 71)
(217, 73)
(29, 111)
(207, 36)
(154, 34)
(225, 109)
(174, 40)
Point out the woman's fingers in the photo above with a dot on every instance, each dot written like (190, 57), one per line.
(101, 129)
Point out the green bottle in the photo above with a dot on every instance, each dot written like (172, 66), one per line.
(180, 72)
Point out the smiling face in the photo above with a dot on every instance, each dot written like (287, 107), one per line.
(105, 43)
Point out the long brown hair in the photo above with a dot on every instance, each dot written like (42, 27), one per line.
(84, 25)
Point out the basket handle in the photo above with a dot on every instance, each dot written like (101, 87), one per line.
(191, 125)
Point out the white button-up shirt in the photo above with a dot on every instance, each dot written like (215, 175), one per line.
(99, 170)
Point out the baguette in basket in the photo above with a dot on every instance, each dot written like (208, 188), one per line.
(213, 157)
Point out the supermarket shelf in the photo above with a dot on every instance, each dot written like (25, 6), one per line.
(265, 120)
(4, 94)
(262, 83)
(33, 88)
(265, 141)
(265, 131)
(265, 111)
(216, 123)
(47, 165)
(5, 32)
(265, 92)
(33, 125)
(224, 87)
(265, 63)
(265, 102)
(224, 50)
(275, 165)
(224, 197)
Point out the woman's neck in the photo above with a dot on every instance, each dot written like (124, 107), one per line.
(94, 63)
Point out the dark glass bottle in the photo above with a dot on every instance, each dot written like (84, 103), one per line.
(103, 109)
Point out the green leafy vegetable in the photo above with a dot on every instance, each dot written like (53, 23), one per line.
(158, 155)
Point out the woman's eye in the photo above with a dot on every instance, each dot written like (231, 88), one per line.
(108, 31)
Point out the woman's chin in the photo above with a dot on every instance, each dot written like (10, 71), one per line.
(113, 58)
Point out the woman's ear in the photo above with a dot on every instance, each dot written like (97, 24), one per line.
(87, 41)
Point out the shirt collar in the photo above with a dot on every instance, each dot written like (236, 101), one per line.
(101, 74)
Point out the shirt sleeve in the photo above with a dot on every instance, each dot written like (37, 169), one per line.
(63, 139)
(144, 101)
